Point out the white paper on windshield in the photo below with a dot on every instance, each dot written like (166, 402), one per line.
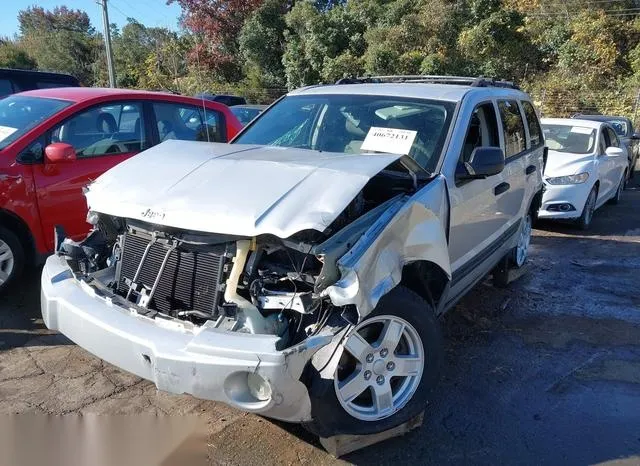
(581, 130)
(389, 140)
(6, 131)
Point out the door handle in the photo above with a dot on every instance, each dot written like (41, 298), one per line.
(501, 188)
(530, 169)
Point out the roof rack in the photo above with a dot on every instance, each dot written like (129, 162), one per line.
(479, 81)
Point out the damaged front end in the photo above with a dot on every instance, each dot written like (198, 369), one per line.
(237, 318)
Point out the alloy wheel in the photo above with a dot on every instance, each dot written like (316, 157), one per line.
(380, 368)
(6, 262)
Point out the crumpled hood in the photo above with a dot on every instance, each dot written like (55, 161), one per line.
(234, 189)
(564, 163)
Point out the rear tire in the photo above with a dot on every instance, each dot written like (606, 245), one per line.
(584, 222)
(520, 253)
(391, 383)
(12, 258)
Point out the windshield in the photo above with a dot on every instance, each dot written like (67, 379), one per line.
(19, 114)
(341, 123)
(569, 138)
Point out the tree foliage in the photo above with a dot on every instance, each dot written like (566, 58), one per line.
(60, 40)
(573, 55)
(13, 56)
(217, 24)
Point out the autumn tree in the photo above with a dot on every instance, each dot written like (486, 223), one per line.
(216, 26)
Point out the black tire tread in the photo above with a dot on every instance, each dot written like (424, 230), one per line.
(329, 418)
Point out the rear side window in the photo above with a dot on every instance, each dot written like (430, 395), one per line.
(52, 84)
(5, 87)
(512, 128)
(188, 123)
(535, 132)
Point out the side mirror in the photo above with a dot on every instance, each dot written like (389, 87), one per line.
(614, 152)
(635, 136)
(60, 152)
(484, 162)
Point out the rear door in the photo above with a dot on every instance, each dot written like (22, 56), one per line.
(103, 136)
(517, 159)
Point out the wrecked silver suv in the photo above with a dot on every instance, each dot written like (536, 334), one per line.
(298, 272)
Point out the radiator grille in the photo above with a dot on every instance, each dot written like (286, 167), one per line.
(190, 281)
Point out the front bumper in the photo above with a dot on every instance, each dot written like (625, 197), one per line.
(574, 194)
(205, 362)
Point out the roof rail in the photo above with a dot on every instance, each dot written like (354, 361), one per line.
(479, 81)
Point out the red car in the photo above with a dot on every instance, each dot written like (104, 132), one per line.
(53, 142)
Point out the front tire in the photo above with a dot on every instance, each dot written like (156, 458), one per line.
(584, 222)
(623, 182)
(12, 258)
(389, 365)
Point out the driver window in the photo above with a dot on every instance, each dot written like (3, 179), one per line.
(603, 143)
(613, 138)
(482, 131)
(109, 129)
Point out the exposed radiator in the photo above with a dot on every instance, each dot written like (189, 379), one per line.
(190, 280)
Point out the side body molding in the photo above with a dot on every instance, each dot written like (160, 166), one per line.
(414, 229)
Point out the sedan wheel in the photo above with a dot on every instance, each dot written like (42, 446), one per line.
(12, 258)
(621, 187)
(7, 262)
(584, 222)
(383, 368)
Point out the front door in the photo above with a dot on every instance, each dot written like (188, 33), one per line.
(476, 219)
(103, 136)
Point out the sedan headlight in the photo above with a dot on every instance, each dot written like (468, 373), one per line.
(570, 179)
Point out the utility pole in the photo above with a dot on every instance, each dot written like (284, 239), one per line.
(107, 43)
(635, 109)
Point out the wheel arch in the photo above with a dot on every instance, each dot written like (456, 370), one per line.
(427, 279)
(18, 226)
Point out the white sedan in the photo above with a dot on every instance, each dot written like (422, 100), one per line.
(586, 167)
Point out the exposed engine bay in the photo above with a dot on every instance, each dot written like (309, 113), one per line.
(259, 285)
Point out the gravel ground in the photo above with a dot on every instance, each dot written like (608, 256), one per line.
(544, 372)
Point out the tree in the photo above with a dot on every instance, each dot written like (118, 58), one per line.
(60, 40)
(261, 43)
(496, 46)
(12, 56)
(135, 44)
(216, 24)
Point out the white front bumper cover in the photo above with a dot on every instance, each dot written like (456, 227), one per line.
(206, 362)
(574, 194)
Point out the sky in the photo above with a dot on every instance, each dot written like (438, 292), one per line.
(147, 12)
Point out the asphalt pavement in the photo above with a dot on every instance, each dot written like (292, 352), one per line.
(546, 371)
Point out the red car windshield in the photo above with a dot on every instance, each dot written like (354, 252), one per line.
(19, 114)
